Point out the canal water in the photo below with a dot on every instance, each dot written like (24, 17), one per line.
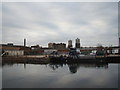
(60, 76)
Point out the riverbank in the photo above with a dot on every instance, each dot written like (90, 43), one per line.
(44, 59)
(26, 59)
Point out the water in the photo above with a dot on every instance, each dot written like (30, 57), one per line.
(60, 76)
(0, 77)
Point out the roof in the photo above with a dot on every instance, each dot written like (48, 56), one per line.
(12, 47)
(9, 48)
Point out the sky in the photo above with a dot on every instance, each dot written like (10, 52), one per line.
(44, 22)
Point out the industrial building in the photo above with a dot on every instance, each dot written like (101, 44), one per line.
(11, 50)
(14, 50)
(50, 45)
(36, 47)
(57, 45)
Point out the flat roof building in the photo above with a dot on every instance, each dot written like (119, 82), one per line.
(57, 45)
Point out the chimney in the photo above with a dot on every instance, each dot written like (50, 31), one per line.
(24, 42)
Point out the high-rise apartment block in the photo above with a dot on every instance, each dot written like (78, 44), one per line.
(77, 43)
(69, 43)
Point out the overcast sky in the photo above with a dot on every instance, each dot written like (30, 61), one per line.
(40, 23)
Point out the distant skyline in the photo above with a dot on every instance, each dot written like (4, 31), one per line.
(41, 23)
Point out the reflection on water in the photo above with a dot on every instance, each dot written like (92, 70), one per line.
(76, 75)
(73, 67)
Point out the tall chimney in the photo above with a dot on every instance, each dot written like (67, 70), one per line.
(24, 42)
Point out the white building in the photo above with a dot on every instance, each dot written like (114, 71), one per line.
(11, 50)
(14, 52)
(49, 51)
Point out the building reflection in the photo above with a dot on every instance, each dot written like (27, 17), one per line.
(24, 66)
(75, 66)
(55, 66)
(72, 67)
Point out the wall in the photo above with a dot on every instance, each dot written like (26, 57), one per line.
(14, 52)
(49, 51)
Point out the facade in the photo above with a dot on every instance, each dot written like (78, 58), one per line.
(50, 45)
(14, 52)
(35, 47)
(57, 46)
(69, 43)
(49, 51)
(77, 43)
(63, 52)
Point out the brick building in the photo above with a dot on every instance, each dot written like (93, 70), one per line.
(57, 46)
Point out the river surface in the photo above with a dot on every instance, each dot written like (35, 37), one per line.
(60, 76)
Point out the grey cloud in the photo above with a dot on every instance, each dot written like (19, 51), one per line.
(58, 22)
(0, 22)
(48, 25)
